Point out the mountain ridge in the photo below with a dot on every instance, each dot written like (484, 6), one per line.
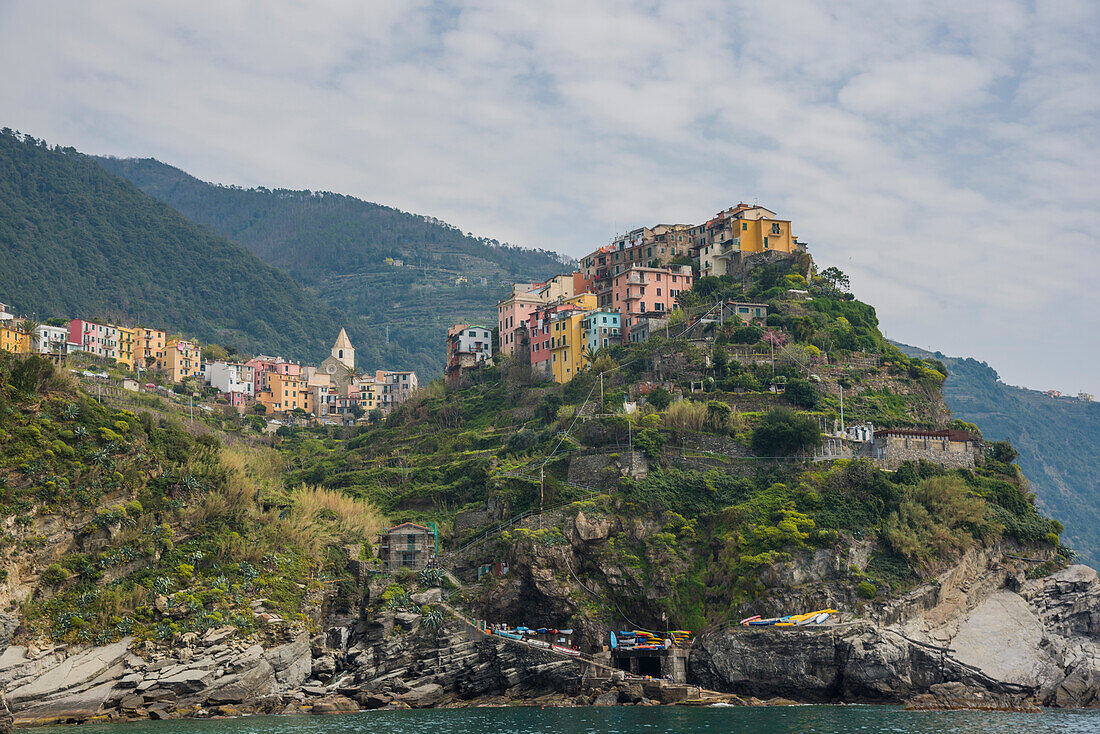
(81, 242)
(402, 279)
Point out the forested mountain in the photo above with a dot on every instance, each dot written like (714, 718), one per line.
(345, 249)
(76, 240)
(1058, 440)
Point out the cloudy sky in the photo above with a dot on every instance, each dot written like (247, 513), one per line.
(945, 154)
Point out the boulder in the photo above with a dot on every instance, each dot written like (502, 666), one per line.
(423, 696)
(324, 665)
(291, 662)
(431, 596)
(335, 705)
(257, 681)
(407, 620)
(374, 700)
(191, 680)
(607, 698)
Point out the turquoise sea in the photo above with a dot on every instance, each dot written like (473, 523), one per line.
(647, 720)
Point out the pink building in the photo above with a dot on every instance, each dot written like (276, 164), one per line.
(98, 339)
(262, 365)
(514, 312)
(648, 292)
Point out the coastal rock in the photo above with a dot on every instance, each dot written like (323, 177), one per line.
(955, 695)
(75, 706)
(423, 696)
(5, 715)
(291, 662)
(71, 672)
(335, 705)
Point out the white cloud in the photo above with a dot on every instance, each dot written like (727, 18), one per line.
(946, 154)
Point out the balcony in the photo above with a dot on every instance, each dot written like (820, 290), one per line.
(632, 296)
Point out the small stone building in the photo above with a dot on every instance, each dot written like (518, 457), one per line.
(949, 448)
(407, 545)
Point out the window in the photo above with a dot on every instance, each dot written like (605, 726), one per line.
(744, 226)
(775, 229)
(765, 243)
(658, 291)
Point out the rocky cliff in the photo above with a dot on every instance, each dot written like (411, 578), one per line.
(1010, 643)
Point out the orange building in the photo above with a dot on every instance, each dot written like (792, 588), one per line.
(283, 393)
(148, 346)
(181, 360)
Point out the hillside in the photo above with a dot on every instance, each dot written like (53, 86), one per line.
(682, 483)
(78, 241)
(338, 245)
(1058, 440)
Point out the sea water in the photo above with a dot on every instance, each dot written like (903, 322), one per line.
(628, 720)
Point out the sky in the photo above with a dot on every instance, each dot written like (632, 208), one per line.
(946, 155)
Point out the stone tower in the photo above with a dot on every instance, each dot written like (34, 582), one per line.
(343, 352)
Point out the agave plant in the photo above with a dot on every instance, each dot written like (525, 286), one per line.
(71, 412)
(430, 576)
(434, 619)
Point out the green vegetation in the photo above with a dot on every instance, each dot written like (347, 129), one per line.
(170, 532)
(338, 247)
(79, 242)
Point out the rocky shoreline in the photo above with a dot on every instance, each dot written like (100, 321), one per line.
(1006, 644)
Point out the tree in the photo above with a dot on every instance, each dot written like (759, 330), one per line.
(801, 393)
(720, 359)
(376, 416)
(546, 411)
(659, 398)
(259, 409)
(835, 279)
(718, 417)
(746, 335)
(782, 432)
(1004, 452)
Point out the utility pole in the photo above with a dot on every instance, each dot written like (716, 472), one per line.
(601, 391)
(841, 410)
(191, 406)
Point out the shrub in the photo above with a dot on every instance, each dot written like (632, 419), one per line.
(747, 335)
(547, 410)
(649, 441)
(866, 589)
(782, 432)
(719, 417)
(937, 519)
(659, 398)
(1004, 452)
(55, 574)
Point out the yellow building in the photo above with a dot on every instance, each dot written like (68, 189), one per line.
(284, 393)
(567, 345)
(14, 341)
(370, 393)
(758, 235)
(125, 347)
(181, 360)
(148, 346)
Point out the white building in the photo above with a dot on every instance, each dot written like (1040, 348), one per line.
(229, 377)
(51, 339)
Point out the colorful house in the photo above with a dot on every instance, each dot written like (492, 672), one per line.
(125, 348)
(149, 346)
(602, 329)
(739, 231)
(181, 360)
(648, 292)
(567, 339)
(14, 340)
(283, 393)
(94, 338)
(468, 347)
